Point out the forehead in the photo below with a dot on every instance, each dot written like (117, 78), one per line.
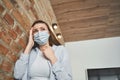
(39, 25)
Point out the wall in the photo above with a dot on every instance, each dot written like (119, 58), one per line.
(16, 17)
(98, 53)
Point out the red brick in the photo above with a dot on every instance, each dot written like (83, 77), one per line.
(22, 43)
(15, 47)
(1, 59)
(3, 49)
(1, 76)
(22, 19)
(8, 78)
(18, 30)
(7, 66)
(1, 8)
(1, 33)
(12, 57)
(13, 34)
(0, 65)
(8, 4)
(32, 1)
(5, 37)
(27, 22)
(14, 3)
(19, 18)
(9, 19)
(34, 12)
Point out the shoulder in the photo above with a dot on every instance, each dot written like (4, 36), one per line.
(60, 50)
(61, 53)
(59, 47)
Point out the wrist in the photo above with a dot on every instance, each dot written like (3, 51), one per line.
(30, 44)
(28, 48)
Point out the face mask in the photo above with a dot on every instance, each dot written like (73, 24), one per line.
(41, 38)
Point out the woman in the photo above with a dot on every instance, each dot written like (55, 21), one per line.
(43, 58)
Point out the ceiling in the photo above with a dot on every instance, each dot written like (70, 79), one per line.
(87, 19)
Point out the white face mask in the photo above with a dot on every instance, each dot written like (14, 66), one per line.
(41, 37)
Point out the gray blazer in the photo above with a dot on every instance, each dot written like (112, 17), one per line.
(61, 70)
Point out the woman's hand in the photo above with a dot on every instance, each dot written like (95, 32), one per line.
(30, 43)
(49, 54)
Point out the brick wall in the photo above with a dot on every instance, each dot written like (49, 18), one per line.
(16, 16)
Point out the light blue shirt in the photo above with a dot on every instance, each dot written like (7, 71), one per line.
(61, 70)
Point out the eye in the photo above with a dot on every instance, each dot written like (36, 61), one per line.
(35, 30)
(42, 29)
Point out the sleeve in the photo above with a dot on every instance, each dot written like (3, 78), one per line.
(21, 66)
(62, 69)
